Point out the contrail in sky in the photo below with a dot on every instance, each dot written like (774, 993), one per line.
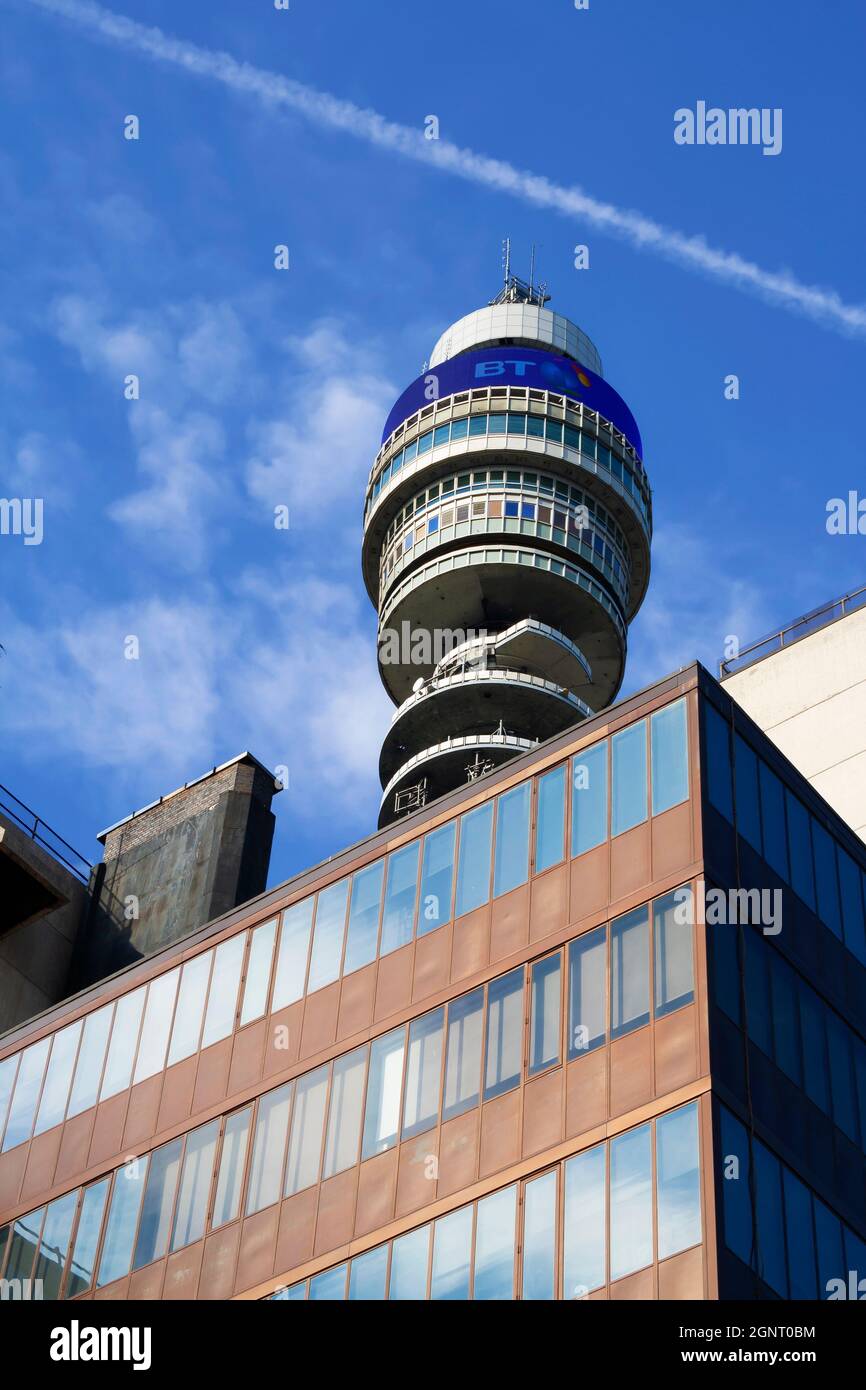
(778, 287)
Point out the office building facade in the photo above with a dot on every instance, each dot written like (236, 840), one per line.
(529, 1042)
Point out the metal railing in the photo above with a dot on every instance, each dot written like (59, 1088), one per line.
(802, 627)
(42, 833)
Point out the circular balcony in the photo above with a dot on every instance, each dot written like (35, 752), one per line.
(443, 766)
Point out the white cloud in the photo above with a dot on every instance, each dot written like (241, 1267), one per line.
(284, 665)
(317, 455)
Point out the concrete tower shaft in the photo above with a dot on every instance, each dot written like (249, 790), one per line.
(507, 532)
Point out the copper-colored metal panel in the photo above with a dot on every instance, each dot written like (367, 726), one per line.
(177, 1092)
(682, 1276)
(630, 867)
(458, 1153)
(500, 1133)
(432, 962)
(377, 1185)
(12, 1165)
(471, 949)
(631, 1080)
(636, 1287)
(106, 1140)
(336, 1217)
(181, 1272)
(213, 1075)
(297, 1229)
(257, 1247)
(672, 840)
(143, 1110)
(356, 1002)
(600, 1296)
(586, 1092)
(676, 1050)
(247, 1054)
(217, 1277)
(590, 883)
(416, 1174)
(320, 1020)
(509, 922)
(74, 1146)
(283, 1041)
(113, 1293)
(542, 1112)
(41, 1163)
(145, 1285)
(548, 903)
(394, 981)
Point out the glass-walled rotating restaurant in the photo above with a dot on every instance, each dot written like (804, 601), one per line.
(494, 1051)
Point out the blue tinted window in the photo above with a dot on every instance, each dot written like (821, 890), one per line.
(628, 778)
(759, 1017)
(328, 935)
(452, 1254)
(367, 1274)
(815, 1066)
(852, 905)
(842, 1076)
(859, 1057)
(718, 754)
(587, 992)
(496, 424)
(122, 1221)
(550, 827)
(773, 821)
(494, 1246)
(86, 1239)
(504, 1047)
(589, 799)
(678, 1181)
(400, 889)
(544, 1014)
(584, 1247)
(512, 509)
(409, 1257)
(425, 443)
(158, 1204)
(517, 424)
(831, 1257)
(364, 905)
(771, 1229)
(329, 1285)
(800, 849)
(734, 1159)
(535, 426)
(459, 429)
(539, 1237)
(54, 1244)
(631, 1225)
(826, 880)
(440, 434)
(511, 859)
(478, 425)
(473, 867)
(727, 970)
(437, 879)
(786, 1018)
(670, 759)
(673, 916)
(629, 972)
(802, 1280)
(748, 804)
(554, 430)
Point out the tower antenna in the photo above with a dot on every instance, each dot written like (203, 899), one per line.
(506, 260)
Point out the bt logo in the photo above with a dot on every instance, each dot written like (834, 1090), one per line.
(558, 374)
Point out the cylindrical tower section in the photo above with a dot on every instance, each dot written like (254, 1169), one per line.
(507, 532)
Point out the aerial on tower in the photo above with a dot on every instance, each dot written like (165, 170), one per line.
(507, 530)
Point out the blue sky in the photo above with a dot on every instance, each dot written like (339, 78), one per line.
(258, 387)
